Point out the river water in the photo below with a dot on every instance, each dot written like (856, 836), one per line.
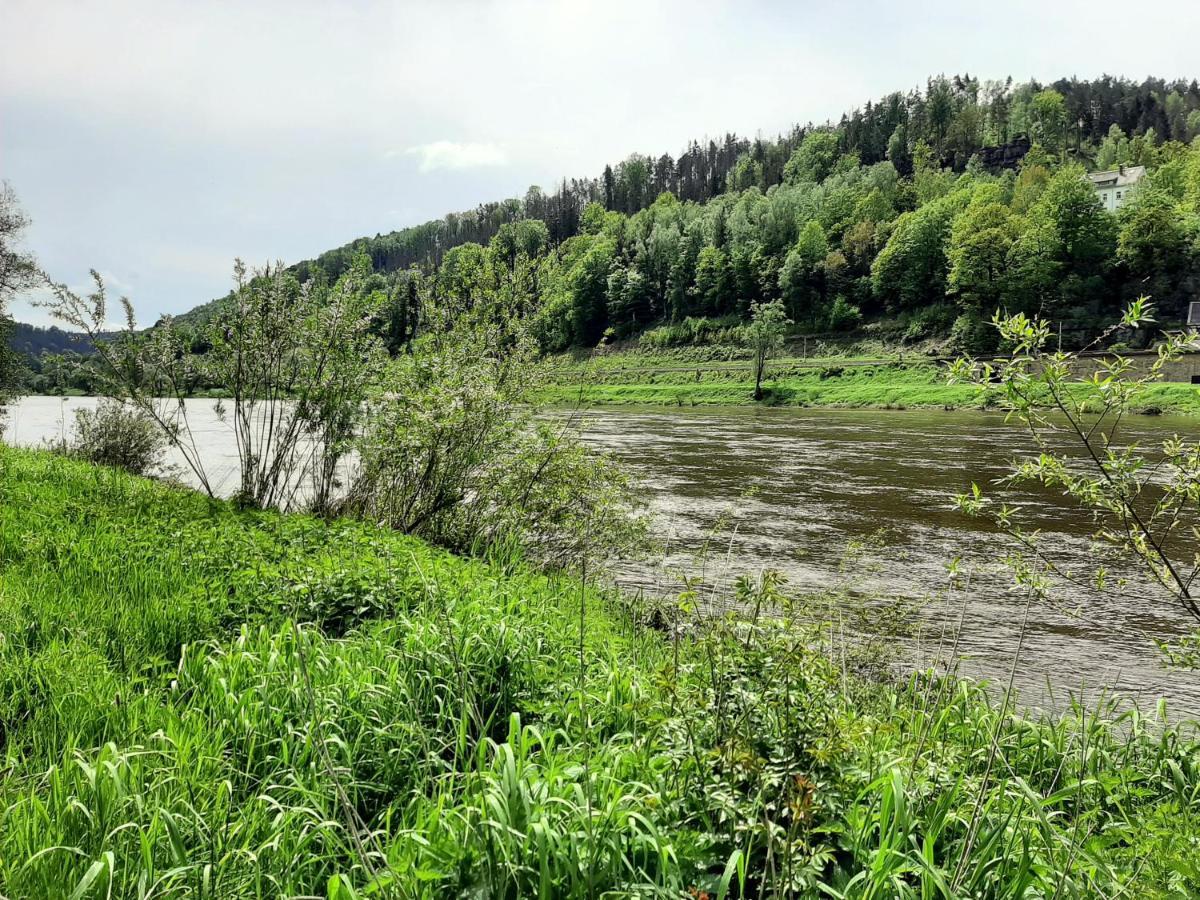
(792, 489)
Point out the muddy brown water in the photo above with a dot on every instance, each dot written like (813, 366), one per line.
(791, 489)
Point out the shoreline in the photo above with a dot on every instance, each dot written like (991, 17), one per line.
(834, 392)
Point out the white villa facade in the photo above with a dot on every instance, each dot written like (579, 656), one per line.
(1116, 187)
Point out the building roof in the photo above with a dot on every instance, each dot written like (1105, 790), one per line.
(1126, 176)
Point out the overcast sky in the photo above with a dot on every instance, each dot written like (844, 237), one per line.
(156, 140)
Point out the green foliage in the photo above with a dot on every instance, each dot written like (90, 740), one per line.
(764, 336)
(1049, 120)
(1142, 499)
(1154, 240)
(1084, 232)
(18, 272)
(295, 359)
(714, 282)
(971, 333)
(844, 315)
(912, 267)
(452, 451)
(587, 282)
(693, 331)
(814, 159)
(979, 251)
(802, 276)
(119, 435)
(207, 701)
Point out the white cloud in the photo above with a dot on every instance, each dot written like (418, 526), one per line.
(453, 155)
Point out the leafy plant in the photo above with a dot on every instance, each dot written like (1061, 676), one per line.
(1145, 501)
(452, 451)
(296, 361)
(117, 434)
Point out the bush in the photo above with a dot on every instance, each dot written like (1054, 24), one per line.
(931, 320)
(118, 435)
(692, 331)
(972, 334)
(844, 315)
(452, 452)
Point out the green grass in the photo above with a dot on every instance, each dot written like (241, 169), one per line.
(792, 382)
(197, 701)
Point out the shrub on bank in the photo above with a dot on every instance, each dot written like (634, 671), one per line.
(693, 331)
(116, 434)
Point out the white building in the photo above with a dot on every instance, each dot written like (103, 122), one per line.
(1116, 187)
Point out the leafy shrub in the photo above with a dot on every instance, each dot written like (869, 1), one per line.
(844, 315)
(296, 360)
(452, 452)
(691, 331)
(972, 334)
(118, 435)
(936, 319)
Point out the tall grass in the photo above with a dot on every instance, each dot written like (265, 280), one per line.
(197, 701)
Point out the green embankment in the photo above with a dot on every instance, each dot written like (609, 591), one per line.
(699, 380)
(197, 701)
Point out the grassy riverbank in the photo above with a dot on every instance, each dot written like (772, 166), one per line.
(201, 702)
(701, 378)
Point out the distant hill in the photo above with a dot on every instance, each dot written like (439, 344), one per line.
(959, 117)
(31, 341)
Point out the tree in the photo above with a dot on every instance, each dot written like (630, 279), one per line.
(588, 286)
(1142, 499)
(629, 300)
(452, 450)
(800, 277)
(1084, 234)
(1152, 236)
(1034, 270)
(1155, 244)
(18, 272)
(981, 239)
(464, 276)
(745, 173)
(814, 159)
(764, 334)
(713, 287)
(1114, 151)
(296, 359)
(897, 149)
(1032, 179)
(1049, 120)
(911, 268)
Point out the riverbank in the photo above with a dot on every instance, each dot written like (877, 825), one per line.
(699, 378)
(228, 703)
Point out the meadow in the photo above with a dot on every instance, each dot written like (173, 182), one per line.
(703, 377)
(203, 701)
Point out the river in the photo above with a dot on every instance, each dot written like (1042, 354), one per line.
(791, 489)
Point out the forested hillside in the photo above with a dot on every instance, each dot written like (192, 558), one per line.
(956, 117)
(934, 206)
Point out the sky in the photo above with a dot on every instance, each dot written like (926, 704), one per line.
(157, 140)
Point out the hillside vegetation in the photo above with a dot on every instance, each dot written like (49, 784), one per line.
(947, 195)
(927, 211)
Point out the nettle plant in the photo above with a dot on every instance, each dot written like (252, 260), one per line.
(1144, 500)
